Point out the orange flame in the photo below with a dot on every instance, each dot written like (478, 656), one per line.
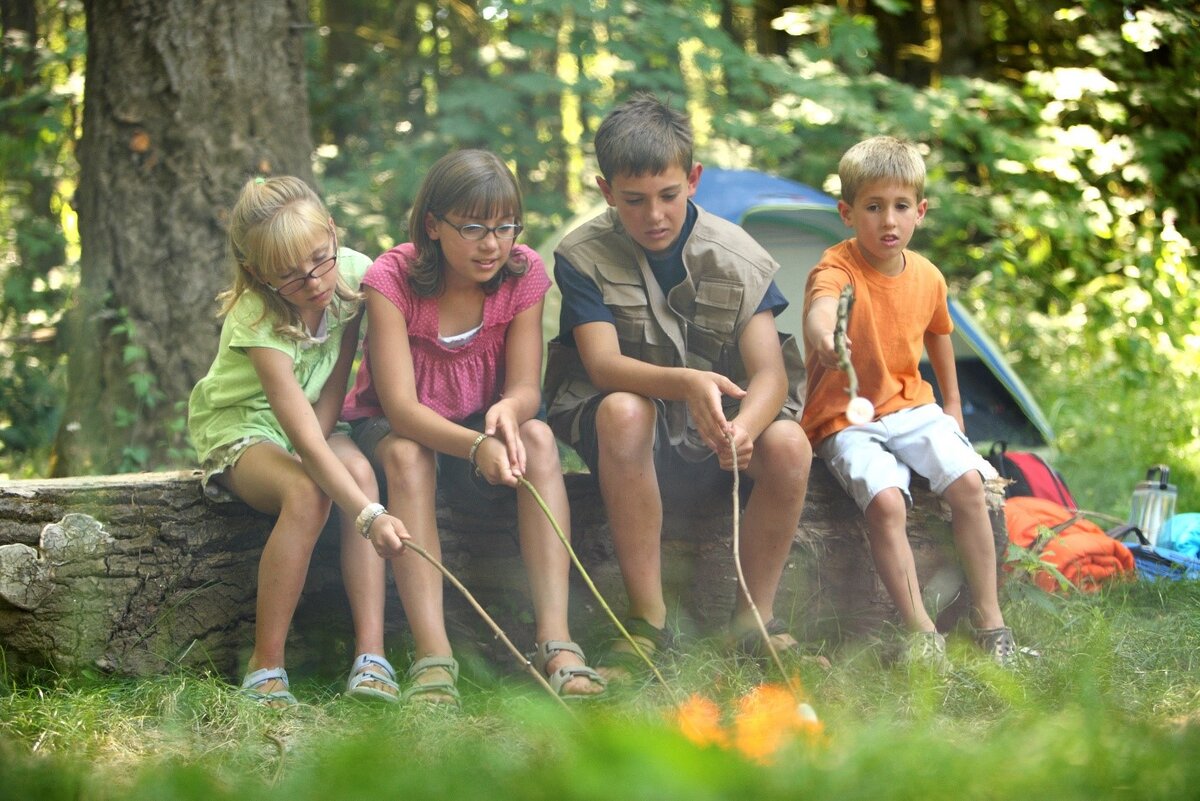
(767, 718)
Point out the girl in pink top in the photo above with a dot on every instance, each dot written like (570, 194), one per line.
(449, 389)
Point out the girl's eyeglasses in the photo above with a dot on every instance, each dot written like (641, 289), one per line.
(319, 269)
(473, 232)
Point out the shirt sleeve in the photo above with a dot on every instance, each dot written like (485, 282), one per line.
(249, 328)
(582, 301)
(826, 281)
(532, 285)
(773, 301)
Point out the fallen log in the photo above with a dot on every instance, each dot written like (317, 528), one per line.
(138, 574)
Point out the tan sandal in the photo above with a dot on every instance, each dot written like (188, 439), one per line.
(559, 678)
(420, 690)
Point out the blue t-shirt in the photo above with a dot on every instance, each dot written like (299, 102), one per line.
(582, 301)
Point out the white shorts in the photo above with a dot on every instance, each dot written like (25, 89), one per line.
(870, 458)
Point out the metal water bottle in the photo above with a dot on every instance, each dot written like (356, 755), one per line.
(1153, 502)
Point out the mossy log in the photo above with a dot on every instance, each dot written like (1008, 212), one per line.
(137, 574)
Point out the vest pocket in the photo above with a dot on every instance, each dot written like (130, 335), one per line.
(717, 305)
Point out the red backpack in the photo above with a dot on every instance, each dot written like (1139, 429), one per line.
(1030, 475)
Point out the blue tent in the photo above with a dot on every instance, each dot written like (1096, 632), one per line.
(795, 223)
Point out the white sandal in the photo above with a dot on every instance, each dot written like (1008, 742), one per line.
(258, 678)
(363, 671)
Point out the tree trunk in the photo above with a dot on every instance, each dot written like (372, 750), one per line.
(184, 100)
(138, 574)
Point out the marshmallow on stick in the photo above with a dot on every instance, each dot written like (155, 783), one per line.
(860, 410)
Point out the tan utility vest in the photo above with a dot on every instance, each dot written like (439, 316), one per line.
(696, 325)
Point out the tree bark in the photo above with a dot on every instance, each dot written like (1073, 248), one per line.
(184, 100)
(138, 574)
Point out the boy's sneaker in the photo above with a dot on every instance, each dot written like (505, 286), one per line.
(998, 644)
(927, 649)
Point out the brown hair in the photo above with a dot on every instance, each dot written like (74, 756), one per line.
(472, 183)
(643, 136)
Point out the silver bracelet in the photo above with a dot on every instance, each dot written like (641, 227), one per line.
(366, 517)
(475, 447)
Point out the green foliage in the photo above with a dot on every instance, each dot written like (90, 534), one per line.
(39, 108)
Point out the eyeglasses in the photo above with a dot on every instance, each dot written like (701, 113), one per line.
(319, 269)
(474, 232)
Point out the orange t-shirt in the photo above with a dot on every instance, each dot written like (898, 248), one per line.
(888, 323)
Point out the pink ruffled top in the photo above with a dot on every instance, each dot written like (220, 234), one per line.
(457, 381)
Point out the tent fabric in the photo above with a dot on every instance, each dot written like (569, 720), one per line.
(796, 222)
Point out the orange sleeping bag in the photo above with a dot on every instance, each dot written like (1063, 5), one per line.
(1077, 547)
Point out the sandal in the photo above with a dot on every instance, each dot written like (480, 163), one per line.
(751, 642)
(622, 658)
(559, 678)
(368, 668)
(276, 699)
(419, 690)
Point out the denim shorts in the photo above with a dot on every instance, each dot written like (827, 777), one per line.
(867, 459)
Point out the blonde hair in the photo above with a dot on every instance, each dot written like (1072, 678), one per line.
(881, 158)
(271, 230)
(472, 183)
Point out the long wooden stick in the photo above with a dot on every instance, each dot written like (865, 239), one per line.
(588, 580)
(537, 674)
(845, 302)
(737, 562)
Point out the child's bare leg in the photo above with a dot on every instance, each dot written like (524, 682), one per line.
(629, 485)
(779, 466)
(547, 562)
(976, 548)
(363, 572)
(273, 481)
(892, 554)
(412, 494)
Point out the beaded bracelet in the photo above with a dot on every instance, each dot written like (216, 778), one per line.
(475, 447)
(366, 517)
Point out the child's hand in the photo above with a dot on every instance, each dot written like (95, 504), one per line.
(493, 462)
(388, 535)
(501, 421)
(703, 398)
(827, 353)
(743, 449)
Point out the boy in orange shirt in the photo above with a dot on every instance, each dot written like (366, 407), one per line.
(900, 307)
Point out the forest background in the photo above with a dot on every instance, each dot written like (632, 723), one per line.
(1060, 139)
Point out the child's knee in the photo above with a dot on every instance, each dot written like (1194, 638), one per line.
(889, 505)
(966, 491)
(304, 500)
(625, 420)
(361, 471)
(785, 451)
(538, 439)
(404, 460)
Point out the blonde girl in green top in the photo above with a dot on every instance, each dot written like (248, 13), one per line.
(264, 422)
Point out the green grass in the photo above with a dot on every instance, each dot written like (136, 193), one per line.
(1110, 710)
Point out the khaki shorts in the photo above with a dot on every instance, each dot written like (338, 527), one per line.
(870, 458)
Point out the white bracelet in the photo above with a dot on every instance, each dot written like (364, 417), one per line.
(366, 517)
